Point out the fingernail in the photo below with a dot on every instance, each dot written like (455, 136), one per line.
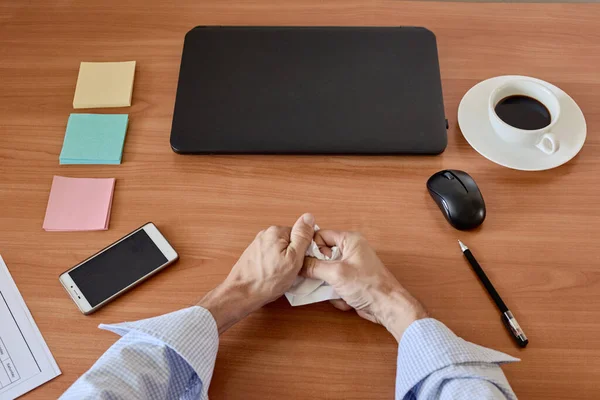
(309, 219)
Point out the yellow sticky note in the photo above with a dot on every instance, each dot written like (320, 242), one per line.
(104, 84)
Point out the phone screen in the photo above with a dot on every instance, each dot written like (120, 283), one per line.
(118, 267)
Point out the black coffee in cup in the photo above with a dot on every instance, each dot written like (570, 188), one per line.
(523, 112)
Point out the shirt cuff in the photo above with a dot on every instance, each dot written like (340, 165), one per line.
(428, 345)
(191, 332)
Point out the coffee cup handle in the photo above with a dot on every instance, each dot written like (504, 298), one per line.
(548, 143)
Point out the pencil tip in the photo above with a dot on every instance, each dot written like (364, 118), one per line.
(463, 246)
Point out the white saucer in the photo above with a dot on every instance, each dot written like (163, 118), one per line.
(477, 130)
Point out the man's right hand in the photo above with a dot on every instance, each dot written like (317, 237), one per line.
(363, 282)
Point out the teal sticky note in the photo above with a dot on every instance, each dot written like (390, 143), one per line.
(94, 139)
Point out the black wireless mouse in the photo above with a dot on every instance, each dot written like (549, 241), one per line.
(459, 198)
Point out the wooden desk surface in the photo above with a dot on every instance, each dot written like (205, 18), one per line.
(539, 243)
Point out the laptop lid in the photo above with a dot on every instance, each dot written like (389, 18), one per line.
(309, 90)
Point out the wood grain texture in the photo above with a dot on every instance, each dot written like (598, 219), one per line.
(539, 244)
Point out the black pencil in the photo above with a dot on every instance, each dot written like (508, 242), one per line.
(508, 318)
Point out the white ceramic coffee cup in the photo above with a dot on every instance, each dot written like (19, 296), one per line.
(542, 138)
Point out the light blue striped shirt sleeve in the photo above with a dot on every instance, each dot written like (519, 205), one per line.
(173, 357)
(434, 363)
(166, 357)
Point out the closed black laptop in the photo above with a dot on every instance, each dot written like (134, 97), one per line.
(309, 90)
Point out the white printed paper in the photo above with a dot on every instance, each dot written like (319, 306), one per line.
(25, 360)
(306, 290)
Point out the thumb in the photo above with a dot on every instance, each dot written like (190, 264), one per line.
(302, 235)
(321, 269)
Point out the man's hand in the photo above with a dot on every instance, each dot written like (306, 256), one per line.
(363, 282)
(266, 269)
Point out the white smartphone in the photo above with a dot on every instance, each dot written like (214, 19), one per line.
(118, 268)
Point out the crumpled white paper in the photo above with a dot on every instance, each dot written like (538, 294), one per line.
(307, 290)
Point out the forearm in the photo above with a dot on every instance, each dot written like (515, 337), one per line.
(396, 309)
(229, 303)
(434, 363)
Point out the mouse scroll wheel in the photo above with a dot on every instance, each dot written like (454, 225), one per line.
(449, 175)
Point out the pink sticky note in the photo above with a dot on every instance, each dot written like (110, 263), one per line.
(79, 204)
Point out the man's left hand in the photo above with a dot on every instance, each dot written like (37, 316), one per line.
(266, 270)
